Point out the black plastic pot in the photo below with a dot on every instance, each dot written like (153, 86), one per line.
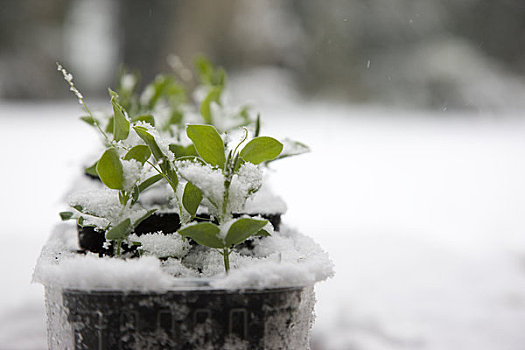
(200, 318)
(92, 240)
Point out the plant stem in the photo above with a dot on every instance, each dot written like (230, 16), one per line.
(118, 247)
(227, 184)
(226, 255)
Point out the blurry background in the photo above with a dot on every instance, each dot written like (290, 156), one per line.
(431, 54)
(414, 113)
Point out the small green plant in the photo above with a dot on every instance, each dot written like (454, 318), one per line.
(122, 172)
(148, 142)
(233, 165)
(120, 168)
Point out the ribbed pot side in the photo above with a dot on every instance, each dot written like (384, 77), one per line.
(273, 318)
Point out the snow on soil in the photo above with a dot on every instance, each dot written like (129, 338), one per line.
(285, 259)
(161, 245)
(422, 214)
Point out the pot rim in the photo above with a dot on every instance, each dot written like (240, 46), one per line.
(191, 284)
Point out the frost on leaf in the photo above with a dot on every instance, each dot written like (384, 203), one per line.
(246, 182)
(210, 181)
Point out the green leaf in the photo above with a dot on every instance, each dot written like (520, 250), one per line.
(220, 77)
(165, 166)
(208, 143)
(123, 198)
(80, 222)
(143, 217)
(208, 74)
(204, 233)
(156, 88)
(175, 118)
(242, 229)
(92, 170)
(83, 210)
(191, 198)
(149, 181)
(109, 127)
(148, 118)
(205, 69)
(120, 231)
(89, 120)
(79, 208)
(135, 195)
(120, 123)
(263, 233)
(205, 109)
(238, 163)
(109, 169)
(150, 141)
(65, 215)
(195, 159)
(140, 153)
(181, 151)
(261, 149)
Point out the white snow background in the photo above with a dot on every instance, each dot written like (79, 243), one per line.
(422, 213)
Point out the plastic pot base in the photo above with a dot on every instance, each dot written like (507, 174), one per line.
(180, 319)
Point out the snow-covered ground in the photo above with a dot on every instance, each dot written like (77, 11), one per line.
(421, 212)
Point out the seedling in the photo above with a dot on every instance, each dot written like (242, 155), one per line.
(205, 173)
(119, 168)
(120, 173)
(235, 167)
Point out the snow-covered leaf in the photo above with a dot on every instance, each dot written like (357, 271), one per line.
(149, 182)
(150, 141)
(181, 151)
(80, 222)
(65, 215)
(120, 231)
(143, 217)
(92, 170)
(89, 120)
(205, 109)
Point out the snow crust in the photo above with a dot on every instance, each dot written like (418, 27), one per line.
(105, 207)
(287, 258)
(132, 170)
(209, 180)
(60, 266)
(247, 181)
(161, 245)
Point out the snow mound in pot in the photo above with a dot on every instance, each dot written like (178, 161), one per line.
(287, 258)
